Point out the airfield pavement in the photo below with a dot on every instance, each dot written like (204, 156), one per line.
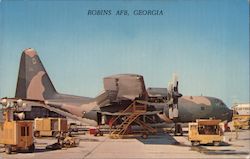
(156, 146)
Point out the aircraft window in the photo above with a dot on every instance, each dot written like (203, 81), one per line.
(202, 108)
(219, 102)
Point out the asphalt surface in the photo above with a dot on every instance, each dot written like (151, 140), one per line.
(157, 146)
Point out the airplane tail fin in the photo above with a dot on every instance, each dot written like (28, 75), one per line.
(33, 81)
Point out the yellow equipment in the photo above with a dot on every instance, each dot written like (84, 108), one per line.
(16, 135)
(70, 142)
(64, 142)
(49, 126)
(205, 131)
(241, 121)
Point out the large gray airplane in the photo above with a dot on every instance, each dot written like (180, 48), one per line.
(39, 98)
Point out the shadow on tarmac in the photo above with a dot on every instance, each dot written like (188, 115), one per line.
(159, 139)
(166, 139)
(207, 151)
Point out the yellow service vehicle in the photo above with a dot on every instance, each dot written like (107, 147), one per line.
(49, 126)
(241, 121)
(241, 115)
(205, 131)
(16, 135)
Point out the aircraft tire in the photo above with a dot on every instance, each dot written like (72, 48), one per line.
(144, 136)
(101, 133)
(8, 149)
(37, 134)
(55, 133)
(32, 148)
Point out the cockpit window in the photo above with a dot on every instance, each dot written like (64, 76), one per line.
(219, 102)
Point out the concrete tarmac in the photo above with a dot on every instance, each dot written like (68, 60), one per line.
(157, 146)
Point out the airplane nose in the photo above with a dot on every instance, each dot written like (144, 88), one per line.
(230, 115)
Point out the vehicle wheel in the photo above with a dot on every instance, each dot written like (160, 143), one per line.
(101, 133)
(66, 144)
(195, 143)
(144, 136)
(32, 148)
(55, 133)
(37, 134)
(8, 149)
(64, 134)
(216, 143)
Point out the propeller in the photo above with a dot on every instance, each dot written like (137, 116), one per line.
(173, 95)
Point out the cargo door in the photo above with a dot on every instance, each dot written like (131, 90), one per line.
(63, 125)
(24, 134)
(54, 125)
(193, 132)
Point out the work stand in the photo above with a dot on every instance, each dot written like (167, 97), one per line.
(128, 117)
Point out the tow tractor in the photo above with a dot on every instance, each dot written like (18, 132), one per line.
(205, 131)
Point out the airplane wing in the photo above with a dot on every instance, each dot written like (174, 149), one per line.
(26, 103)
(120, 113)
(154, 103)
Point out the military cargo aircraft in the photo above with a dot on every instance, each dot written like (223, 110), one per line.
(38, 98)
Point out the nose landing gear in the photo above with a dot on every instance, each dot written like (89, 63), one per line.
(178, 129)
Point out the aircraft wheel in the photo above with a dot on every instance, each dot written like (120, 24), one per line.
(101, 133)
(37, 134)
(216, 143)
(55, 133)
(8, 149)
(32, 148)
(144, 136)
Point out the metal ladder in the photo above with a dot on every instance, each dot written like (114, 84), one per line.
(135, 110)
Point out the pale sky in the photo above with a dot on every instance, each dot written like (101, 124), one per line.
(205, 42)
